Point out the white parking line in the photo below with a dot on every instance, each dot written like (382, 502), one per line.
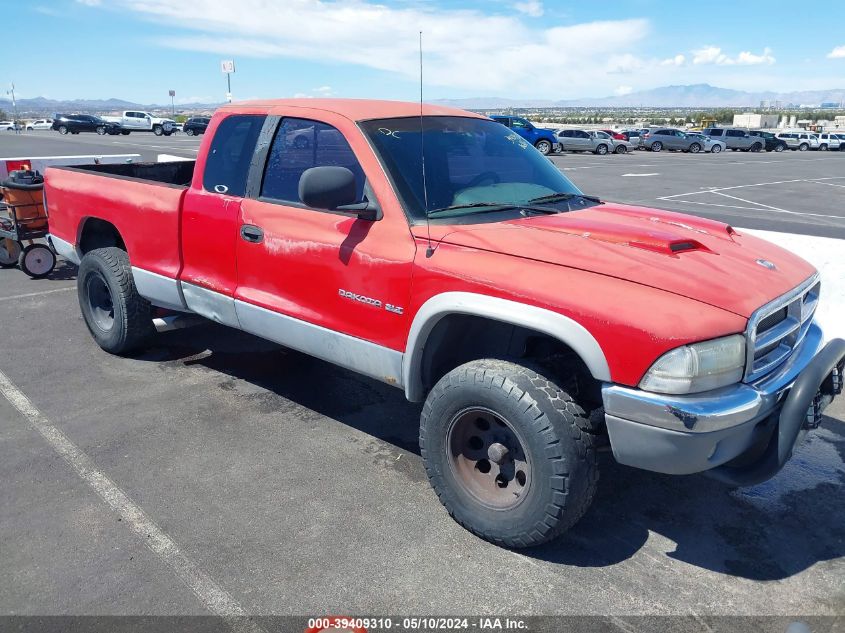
(212, 596)
(36, 294)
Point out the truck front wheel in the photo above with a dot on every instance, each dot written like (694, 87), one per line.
(509, 453)
(544, 147)
(119, 319)
(157, 130)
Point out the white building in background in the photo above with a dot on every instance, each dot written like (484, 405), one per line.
(752, 120)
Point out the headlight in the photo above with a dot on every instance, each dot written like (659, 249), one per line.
(698, 367)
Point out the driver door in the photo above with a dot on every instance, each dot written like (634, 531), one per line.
(306, 274)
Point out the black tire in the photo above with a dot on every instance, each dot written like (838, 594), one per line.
(105, 283)
(621, 149)
(601, 149)
(544, 147)
(157, 130)
(803, 147)
(553, 437)
(125, 132)
(694, 148)
(715, 149)
(37, 260)
(168, 133)
(101, 130)
(63, 129)
(756, 147)
(189, 132)
(823, 147)
(656, 146)
(779, 147)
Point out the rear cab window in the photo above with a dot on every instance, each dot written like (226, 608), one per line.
(229, 157)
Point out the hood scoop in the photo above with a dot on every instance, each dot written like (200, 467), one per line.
(671, 247)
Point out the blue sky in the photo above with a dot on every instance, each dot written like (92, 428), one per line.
(512, 48)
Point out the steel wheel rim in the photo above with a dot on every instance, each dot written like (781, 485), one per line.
(487, 458)
(39, 261)
(100, 302)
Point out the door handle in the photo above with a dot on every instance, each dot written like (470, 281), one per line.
(252, 233)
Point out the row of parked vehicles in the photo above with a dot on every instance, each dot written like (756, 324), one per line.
(125, 123)
(711, 139)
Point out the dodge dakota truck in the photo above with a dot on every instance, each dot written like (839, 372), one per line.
(440, 252)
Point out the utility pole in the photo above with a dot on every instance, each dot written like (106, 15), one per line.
(172, 102)
(14, 108)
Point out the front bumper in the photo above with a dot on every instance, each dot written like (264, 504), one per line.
(742, 433)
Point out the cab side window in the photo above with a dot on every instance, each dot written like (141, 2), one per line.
(230, 154)
(301, 144)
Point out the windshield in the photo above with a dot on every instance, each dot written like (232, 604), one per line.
(472, 166)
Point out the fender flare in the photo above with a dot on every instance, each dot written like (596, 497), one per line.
(561, 327)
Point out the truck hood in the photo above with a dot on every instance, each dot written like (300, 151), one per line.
(689, 256)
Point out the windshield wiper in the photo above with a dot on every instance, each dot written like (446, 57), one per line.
(558, 197)
(492, 207)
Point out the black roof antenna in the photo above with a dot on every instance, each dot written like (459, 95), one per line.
(428, 251)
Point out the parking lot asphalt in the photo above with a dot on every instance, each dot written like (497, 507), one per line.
(216, 468)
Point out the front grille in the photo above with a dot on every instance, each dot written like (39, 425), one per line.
(776, 329)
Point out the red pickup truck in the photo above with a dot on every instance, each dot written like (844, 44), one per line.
(439, 252)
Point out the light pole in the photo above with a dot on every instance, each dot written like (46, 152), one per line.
(172, 102)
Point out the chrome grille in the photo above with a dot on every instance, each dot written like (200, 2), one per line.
(777, 328)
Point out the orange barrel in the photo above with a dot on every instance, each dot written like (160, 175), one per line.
(23, 194)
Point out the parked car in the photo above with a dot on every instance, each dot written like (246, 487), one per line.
(669, 138)
(635, 137)
(135, 121)
(841, 138)
(828, 141)
(616, 136)
(773, 143)
(9, 125)
(736, 139)
(195, 125)
(709, 144)
(541, 138)
(539, 324)
(40, 124)
(76, 123)
(800, 141)
(593, 141)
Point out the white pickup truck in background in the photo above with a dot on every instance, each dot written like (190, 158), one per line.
(136, 121)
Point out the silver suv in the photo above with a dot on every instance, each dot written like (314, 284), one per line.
(829, 141)
(585, 141)
(668, 138)
(802, 141)
(736, 139)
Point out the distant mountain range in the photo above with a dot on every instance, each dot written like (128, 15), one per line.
(692, 96)
(43, 106)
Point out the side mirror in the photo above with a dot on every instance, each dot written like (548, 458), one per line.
(334, 189)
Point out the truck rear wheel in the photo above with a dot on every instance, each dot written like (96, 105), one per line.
(509, 452)
(119, 319)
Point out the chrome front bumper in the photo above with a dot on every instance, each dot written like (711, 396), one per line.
(699, 432)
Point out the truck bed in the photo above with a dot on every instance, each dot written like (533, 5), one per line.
(178, 173)
(143, 201)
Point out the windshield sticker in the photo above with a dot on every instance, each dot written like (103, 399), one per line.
(389, 132)
(516, 139)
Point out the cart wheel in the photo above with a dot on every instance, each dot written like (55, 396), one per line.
(37, 260)
(10, 250)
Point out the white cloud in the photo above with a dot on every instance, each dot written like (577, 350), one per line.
(837, 53)
(463, 48)
(533, 8)
(677, 60)
(623, 90)
(714, 55)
